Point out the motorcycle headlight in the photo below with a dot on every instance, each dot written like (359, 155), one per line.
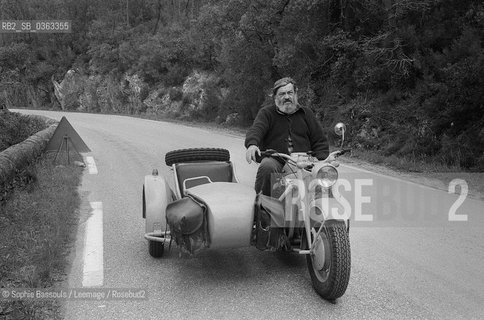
(327, 175)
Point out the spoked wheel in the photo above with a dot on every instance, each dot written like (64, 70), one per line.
(329, 265)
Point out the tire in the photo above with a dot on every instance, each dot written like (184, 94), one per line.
(196, 154)
(331, 281)
(156, 249)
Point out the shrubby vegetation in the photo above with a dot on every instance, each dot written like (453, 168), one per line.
(15, 128)
(406, 75)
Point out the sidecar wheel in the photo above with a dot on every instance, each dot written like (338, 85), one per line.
(330, 266)
(196, 154)
(156, 249)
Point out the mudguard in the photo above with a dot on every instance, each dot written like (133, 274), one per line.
(230, 212)
(328, 208)
(157, 194)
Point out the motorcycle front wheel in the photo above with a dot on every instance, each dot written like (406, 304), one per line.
(330, 263)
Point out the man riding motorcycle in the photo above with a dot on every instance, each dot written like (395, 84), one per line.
(285, 127)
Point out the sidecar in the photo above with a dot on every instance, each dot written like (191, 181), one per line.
(204, 206)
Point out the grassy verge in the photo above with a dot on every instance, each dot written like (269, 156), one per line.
(38, 224)
(407, 164)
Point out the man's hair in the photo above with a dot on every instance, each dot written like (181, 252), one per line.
(281, 83)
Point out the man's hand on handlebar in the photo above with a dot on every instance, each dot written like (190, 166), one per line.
(250, 155)
(335, 154)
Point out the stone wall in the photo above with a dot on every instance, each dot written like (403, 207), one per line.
(15, 158)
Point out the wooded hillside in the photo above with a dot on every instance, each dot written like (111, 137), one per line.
(405, 75)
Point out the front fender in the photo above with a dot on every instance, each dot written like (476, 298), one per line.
(328, 208)
(157, 194)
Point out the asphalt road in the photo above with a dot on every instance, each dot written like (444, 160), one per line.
(405, 264)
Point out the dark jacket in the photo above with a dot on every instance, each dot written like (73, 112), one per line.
(271, 130)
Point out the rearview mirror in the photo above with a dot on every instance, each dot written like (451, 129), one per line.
(340, 129)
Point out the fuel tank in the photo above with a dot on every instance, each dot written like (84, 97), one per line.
(230, 212)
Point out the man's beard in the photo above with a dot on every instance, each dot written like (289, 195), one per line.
(288, 106)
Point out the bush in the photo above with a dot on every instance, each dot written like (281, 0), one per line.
(176, 94)
(15, 128)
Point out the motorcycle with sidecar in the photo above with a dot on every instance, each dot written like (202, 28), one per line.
(209, 208)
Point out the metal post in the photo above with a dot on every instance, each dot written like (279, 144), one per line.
(77, 151)
(66, 139)
(58, 150)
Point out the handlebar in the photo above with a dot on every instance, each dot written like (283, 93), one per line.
(274, 153)
(343, 151)
(332, 156)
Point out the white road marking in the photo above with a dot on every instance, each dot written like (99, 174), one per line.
(91, 165)
(93, 273)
